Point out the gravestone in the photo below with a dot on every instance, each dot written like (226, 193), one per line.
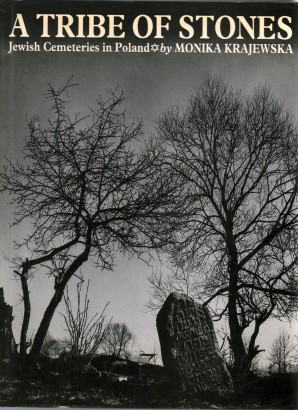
(189, 347)
(7, 343)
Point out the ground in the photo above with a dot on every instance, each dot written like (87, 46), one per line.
(126, 385)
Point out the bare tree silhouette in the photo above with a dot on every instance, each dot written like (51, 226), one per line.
(89, 191)
(86, 333)
(118, 340)
(282, 353)
(238, 158)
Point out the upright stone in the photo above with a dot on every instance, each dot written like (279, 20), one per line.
(189, 348)
(7, 344)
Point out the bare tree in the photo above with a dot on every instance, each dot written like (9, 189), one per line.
(227, 352)
(88, 190)
(118, 340)
(237, 156)
(282, 353)
(171, 279)
(85, 333)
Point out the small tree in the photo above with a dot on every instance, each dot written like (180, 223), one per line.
(118, 340)
(282, 353)
(174, 279)
(88, 190)
(85, 333)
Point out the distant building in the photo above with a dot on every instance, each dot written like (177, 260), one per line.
(145, 358)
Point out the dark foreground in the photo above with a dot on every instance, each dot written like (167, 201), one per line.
(129, 385)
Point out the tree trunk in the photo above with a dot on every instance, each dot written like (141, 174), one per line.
(56, 299)
(240, 360)
(45, 323)
(241, 363)
(27, 312)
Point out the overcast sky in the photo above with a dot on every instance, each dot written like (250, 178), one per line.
(151, 83)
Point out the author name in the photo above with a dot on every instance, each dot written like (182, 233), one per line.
(128, 47)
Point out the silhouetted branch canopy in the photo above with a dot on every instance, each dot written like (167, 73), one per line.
(237, 156)
(87, 177)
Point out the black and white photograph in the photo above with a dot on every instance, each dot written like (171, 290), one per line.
(148, 204)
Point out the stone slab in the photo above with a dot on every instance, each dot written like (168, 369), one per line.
(189, 347)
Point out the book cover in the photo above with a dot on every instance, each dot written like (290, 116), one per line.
(148, 204)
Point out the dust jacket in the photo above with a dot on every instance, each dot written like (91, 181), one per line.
(149, 224)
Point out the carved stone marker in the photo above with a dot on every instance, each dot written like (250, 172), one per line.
(189, 348)
(7, 345)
